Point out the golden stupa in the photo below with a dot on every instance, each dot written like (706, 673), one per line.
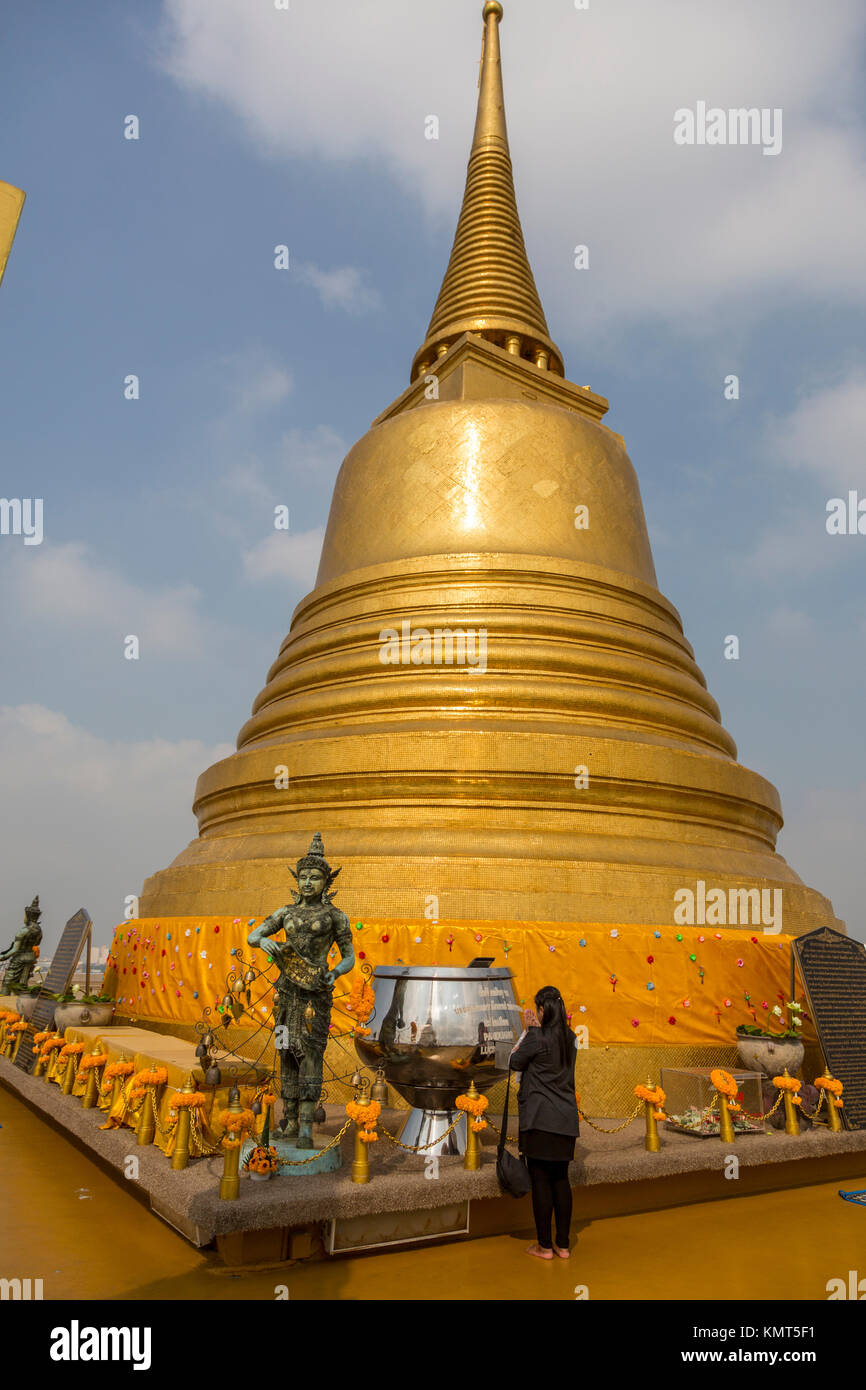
(569, 764)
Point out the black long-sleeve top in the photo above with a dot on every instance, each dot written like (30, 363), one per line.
(546, 1100)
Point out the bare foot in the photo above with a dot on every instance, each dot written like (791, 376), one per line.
(563, 1254)
(539, 1254)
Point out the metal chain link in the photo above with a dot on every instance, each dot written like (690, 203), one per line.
(498, 1131)
(624, 1125)
(299, 1162)
(419, 1148)
(208, 1150)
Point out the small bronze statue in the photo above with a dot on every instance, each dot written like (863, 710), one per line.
(306, 986)
(24, 951)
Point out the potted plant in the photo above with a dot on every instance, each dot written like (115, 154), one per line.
(76, 1009)
(261, 1162)
(772, 1046)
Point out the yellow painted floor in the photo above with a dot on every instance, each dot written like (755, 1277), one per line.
(65, 1221)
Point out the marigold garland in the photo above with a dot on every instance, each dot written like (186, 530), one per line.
(829, 1083)
(93, 1059)
(8, 1016)
(364, 1115)
(16, 1027)
(49, 1046)
(786, 1083)
(237, 1121)
(186, 1100)
(725, 1085)
(151, 1076)
(39, 1038)
(475, 1105)
(118, 1069)
(71, 1049)
(653, 1094)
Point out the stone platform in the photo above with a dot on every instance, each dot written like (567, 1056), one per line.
(612, 1175)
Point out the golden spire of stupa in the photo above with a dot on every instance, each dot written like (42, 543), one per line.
(489, 288)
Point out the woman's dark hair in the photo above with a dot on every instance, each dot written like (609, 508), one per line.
(554, 1024)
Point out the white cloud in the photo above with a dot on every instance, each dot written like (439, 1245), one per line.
(345, 287)
(286, 556)
(66, 586)
(679, 233)
(87, 819)
(825, 433)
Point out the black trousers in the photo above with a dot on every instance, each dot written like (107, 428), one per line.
(551, 1198)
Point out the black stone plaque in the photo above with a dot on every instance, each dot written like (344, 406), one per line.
(63, 966)
(833, 970)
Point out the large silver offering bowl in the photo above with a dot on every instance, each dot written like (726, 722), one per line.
(435, 1029)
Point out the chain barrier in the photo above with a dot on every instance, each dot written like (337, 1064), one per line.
(619, 1128)
(299, 1162)
(419, 1148)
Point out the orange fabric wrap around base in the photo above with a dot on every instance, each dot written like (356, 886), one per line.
(626, 984)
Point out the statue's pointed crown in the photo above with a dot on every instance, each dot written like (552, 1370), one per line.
(315, 859)
(489, 287)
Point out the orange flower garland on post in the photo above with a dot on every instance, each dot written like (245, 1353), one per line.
(237, 1123)
(653, 1098)
(89, 1067)
(833, 1088)
(728, 1090)
(13, 1036)
(114, 1074)
(365, 1112)
(143, 1088)
(70, 1052)
(49, 1054)
(180, 1117)
(473, 1105)
(39, 1041)
(789, 1085)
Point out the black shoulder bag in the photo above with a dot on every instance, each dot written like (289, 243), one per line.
(511, 1172)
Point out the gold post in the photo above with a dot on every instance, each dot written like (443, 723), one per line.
(117, 1084)
(472, 1157)
(70, 1074)
(726, 1128)
(792, 1123)
(652, 1143)
(834, 1115)
(360, 1157)
(230, 1183)
(180, 1154)
(91, 1090)
(146, 1127)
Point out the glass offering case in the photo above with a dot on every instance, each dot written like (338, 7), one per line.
(688, 1096)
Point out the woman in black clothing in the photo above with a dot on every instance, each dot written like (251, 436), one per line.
(547, 1117)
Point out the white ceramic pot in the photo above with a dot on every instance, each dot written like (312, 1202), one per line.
(25, 1004)
(261, 1177)
(760, 1052)
(82, 1016)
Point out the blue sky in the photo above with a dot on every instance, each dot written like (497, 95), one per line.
(306, 127)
